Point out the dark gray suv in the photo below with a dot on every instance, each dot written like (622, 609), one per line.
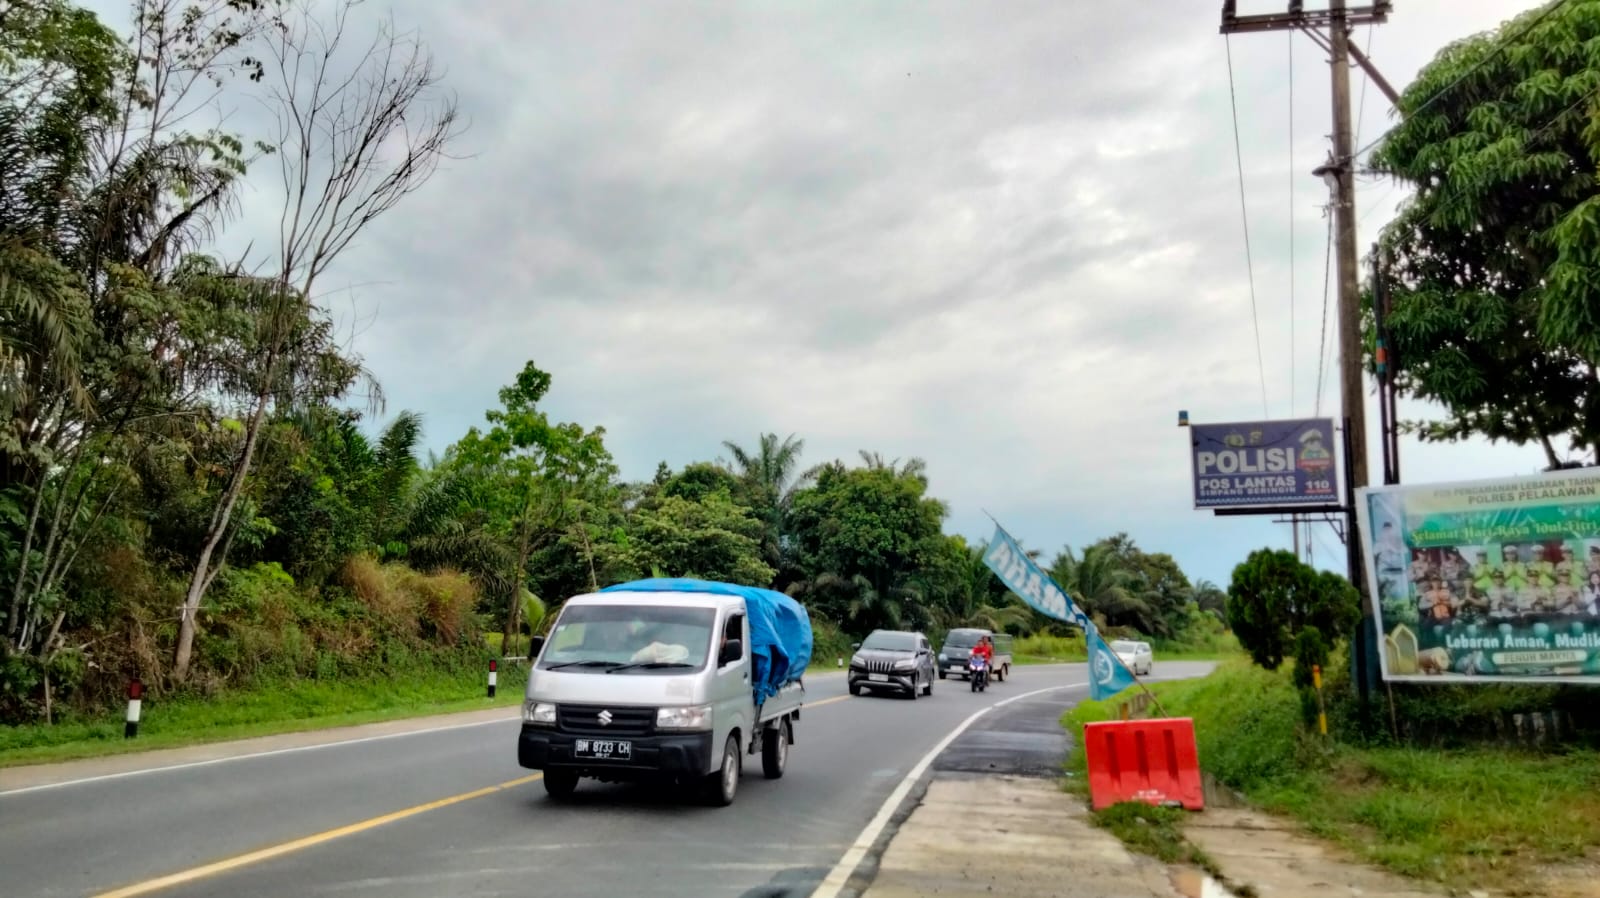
(893, 660)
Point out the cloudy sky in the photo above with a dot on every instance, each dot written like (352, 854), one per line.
(1003, 236)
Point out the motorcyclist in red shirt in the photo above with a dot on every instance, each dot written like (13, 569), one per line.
(984, 648)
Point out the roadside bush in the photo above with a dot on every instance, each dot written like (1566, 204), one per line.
(1439, 716)
(435, 608)
(1274, 596)
(828, 642)
(1066, 648)
(1246, 723)
(1201, 632)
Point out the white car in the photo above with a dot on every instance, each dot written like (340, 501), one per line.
(1136, 656)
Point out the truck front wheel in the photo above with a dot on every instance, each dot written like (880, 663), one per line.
(723, 785)
(775, 750)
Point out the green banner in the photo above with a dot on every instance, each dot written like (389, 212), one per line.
(1494, 580)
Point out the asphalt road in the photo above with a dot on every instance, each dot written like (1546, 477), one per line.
(448, 813)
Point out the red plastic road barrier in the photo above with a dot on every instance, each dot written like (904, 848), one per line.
(1153, 761)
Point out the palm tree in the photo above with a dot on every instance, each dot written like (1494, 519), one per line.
(440, 524)
(1104, 589)
(395, 468)
(1212, 599)
(772, 475)
(969, 595)
(914, 467)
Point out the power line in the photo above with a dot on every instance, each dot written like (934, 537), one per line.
(1496, 51)
(1244, 214)
(1394, 185)
(1322, 342)
(1293, 177)
(1361, 106)
(1317, 537)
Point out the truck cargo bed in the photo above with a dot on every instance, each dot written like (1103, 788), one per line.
(786, 700)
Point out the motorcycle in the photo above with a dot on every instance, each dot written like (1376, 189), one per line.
(978, 670)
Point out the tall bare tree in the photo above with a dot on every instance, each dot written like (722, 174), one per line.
(359, 129)
(107, 182)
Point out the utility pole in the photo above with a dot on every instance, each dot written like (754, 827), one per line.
(1338, 19)
(1352, 395)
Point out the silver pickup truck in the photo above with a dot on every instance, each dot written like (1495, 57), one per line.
(958, 647)
(653, 685)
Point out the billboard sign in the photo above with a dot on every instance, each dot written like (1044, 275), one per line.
(1264, 463)
(1488, 580)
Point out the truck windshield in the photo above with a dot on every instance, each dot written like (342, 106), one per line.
(962, 639)
(635, 638)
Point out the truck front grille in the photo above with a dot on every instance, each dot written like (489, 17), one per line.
(585, 720)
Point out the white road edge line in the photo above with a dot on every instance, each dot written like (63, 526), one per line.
(258, 754)
(840, 875)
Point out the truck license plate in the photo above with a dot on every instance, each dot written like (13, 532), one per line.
(878, 678)
(603, 749)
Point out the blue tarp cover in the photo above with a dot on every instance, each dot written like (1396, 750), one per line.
(780, 628)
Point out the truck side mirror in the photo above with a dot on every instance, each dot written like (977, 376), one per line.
(535, 646)
(732, 651)
(855, 645)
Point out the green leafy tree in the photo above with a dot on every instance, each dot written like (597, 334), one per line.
(699, 480)
(534, 470)
(1494, 262)
(963, 592)
(711, 538)
(1159, 584)
(863, 536)
(1274, 598)
(85, 238)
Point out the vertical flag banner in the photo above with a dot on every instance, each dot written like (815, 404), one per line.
(1018, 572)
(1107, 674)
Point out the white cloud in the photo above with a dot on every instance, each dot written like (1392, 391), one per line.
(1004, 237)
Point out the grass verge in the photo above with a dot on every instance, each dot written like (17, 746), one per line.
(1041, 649)
(1157, 832)
(1154, 831)
(297, 707)
(1467, 818)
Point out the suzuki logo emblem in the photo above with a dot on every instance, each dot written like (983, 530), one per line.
(605, 718)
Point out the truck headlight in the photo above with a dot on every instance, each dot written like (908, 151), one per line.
(857, 661)
(539, 713)
(691, 717)
(908, 664)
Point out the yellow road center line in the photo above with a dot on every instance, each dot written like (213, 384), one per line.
(283, 848)
(255, 857)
